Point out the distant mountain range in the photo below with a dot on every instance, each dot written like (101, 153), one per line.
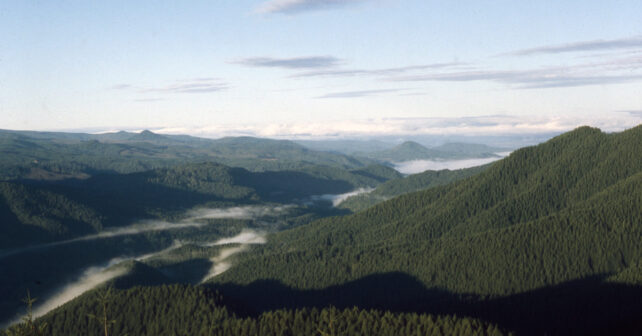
(410, 150)
(544, 241)
(48, 155)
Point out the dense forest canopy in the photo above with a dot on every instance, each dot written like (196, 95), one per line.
(545, 241)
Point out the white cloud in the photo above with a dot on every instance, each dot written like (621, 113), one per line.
(469, 126)
(623, 43)
(418, 166)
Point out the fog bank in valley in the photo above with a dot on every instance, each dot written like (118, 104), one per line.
(337, 199)
(95, 275)
(419, 166)
(191, 220)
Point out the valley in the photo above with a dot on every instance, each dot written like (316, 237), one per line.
(465, 242)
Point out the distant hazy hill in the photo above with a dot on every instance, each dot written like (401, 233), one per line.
(349, 147)
(410, 150)
(50, 155)
(546, 240)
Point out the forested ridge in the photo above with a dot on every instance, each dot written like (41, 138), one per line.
(410, 183)
(55, 156)
(40, 211)
(186, 310)
(545, 241)
(546, 216)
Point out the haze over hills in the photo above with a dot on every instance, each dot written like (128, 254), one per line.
(558, 220)
(320, 167)
(410, 150)
(62, 155)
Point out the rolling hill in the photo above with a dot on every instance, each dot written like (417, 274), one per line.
(411, 150)
(408, 184)
(54, 156)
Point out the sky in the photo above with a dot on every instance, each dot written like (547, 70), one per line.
(320, 68)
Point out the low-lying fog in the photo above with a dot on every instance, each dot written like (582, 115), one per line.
(95, 275)
(337, 199)
(419, 166)
(247, 212)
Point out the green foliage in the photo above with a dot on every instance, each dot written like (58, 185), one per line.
(411, 150)
(55, 156)
(563, 210)
(185, 310)
(28, 326)
(411, 183)
(45, 211)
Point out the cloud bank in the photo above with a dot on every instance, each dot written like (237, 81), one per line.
(468, 126)
(247, 212)
(221, 262)
(419, 166)
(337, 199)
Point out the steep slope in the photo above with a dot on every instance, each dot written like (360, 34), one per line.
(545, 216)
(408, 184)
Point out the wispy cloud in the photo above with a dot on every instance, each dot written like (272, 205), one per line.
(633, 112)
(148, 100)
(195, 85)
(376, 72)
(356, 94)
(199, 85)
(613, 71)
(120, 87)
(526, 79)
(471, 126)
(299, 6)
(595, 45)
(308, 62)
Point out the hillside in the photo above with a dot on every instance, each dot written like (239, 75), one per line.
(45, 211)
(55, 156)
(408, 184)
(558, 220)
(185, 310)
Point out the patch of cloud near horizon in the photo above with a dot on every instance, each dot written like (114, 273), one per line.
(299, 6)
(471, 126)
(356, 94)
(195, 85)
(307, 62)
(376, 72)
(594, 45)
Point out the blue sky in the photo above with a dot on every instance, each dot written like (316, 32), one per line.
(320, 67)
